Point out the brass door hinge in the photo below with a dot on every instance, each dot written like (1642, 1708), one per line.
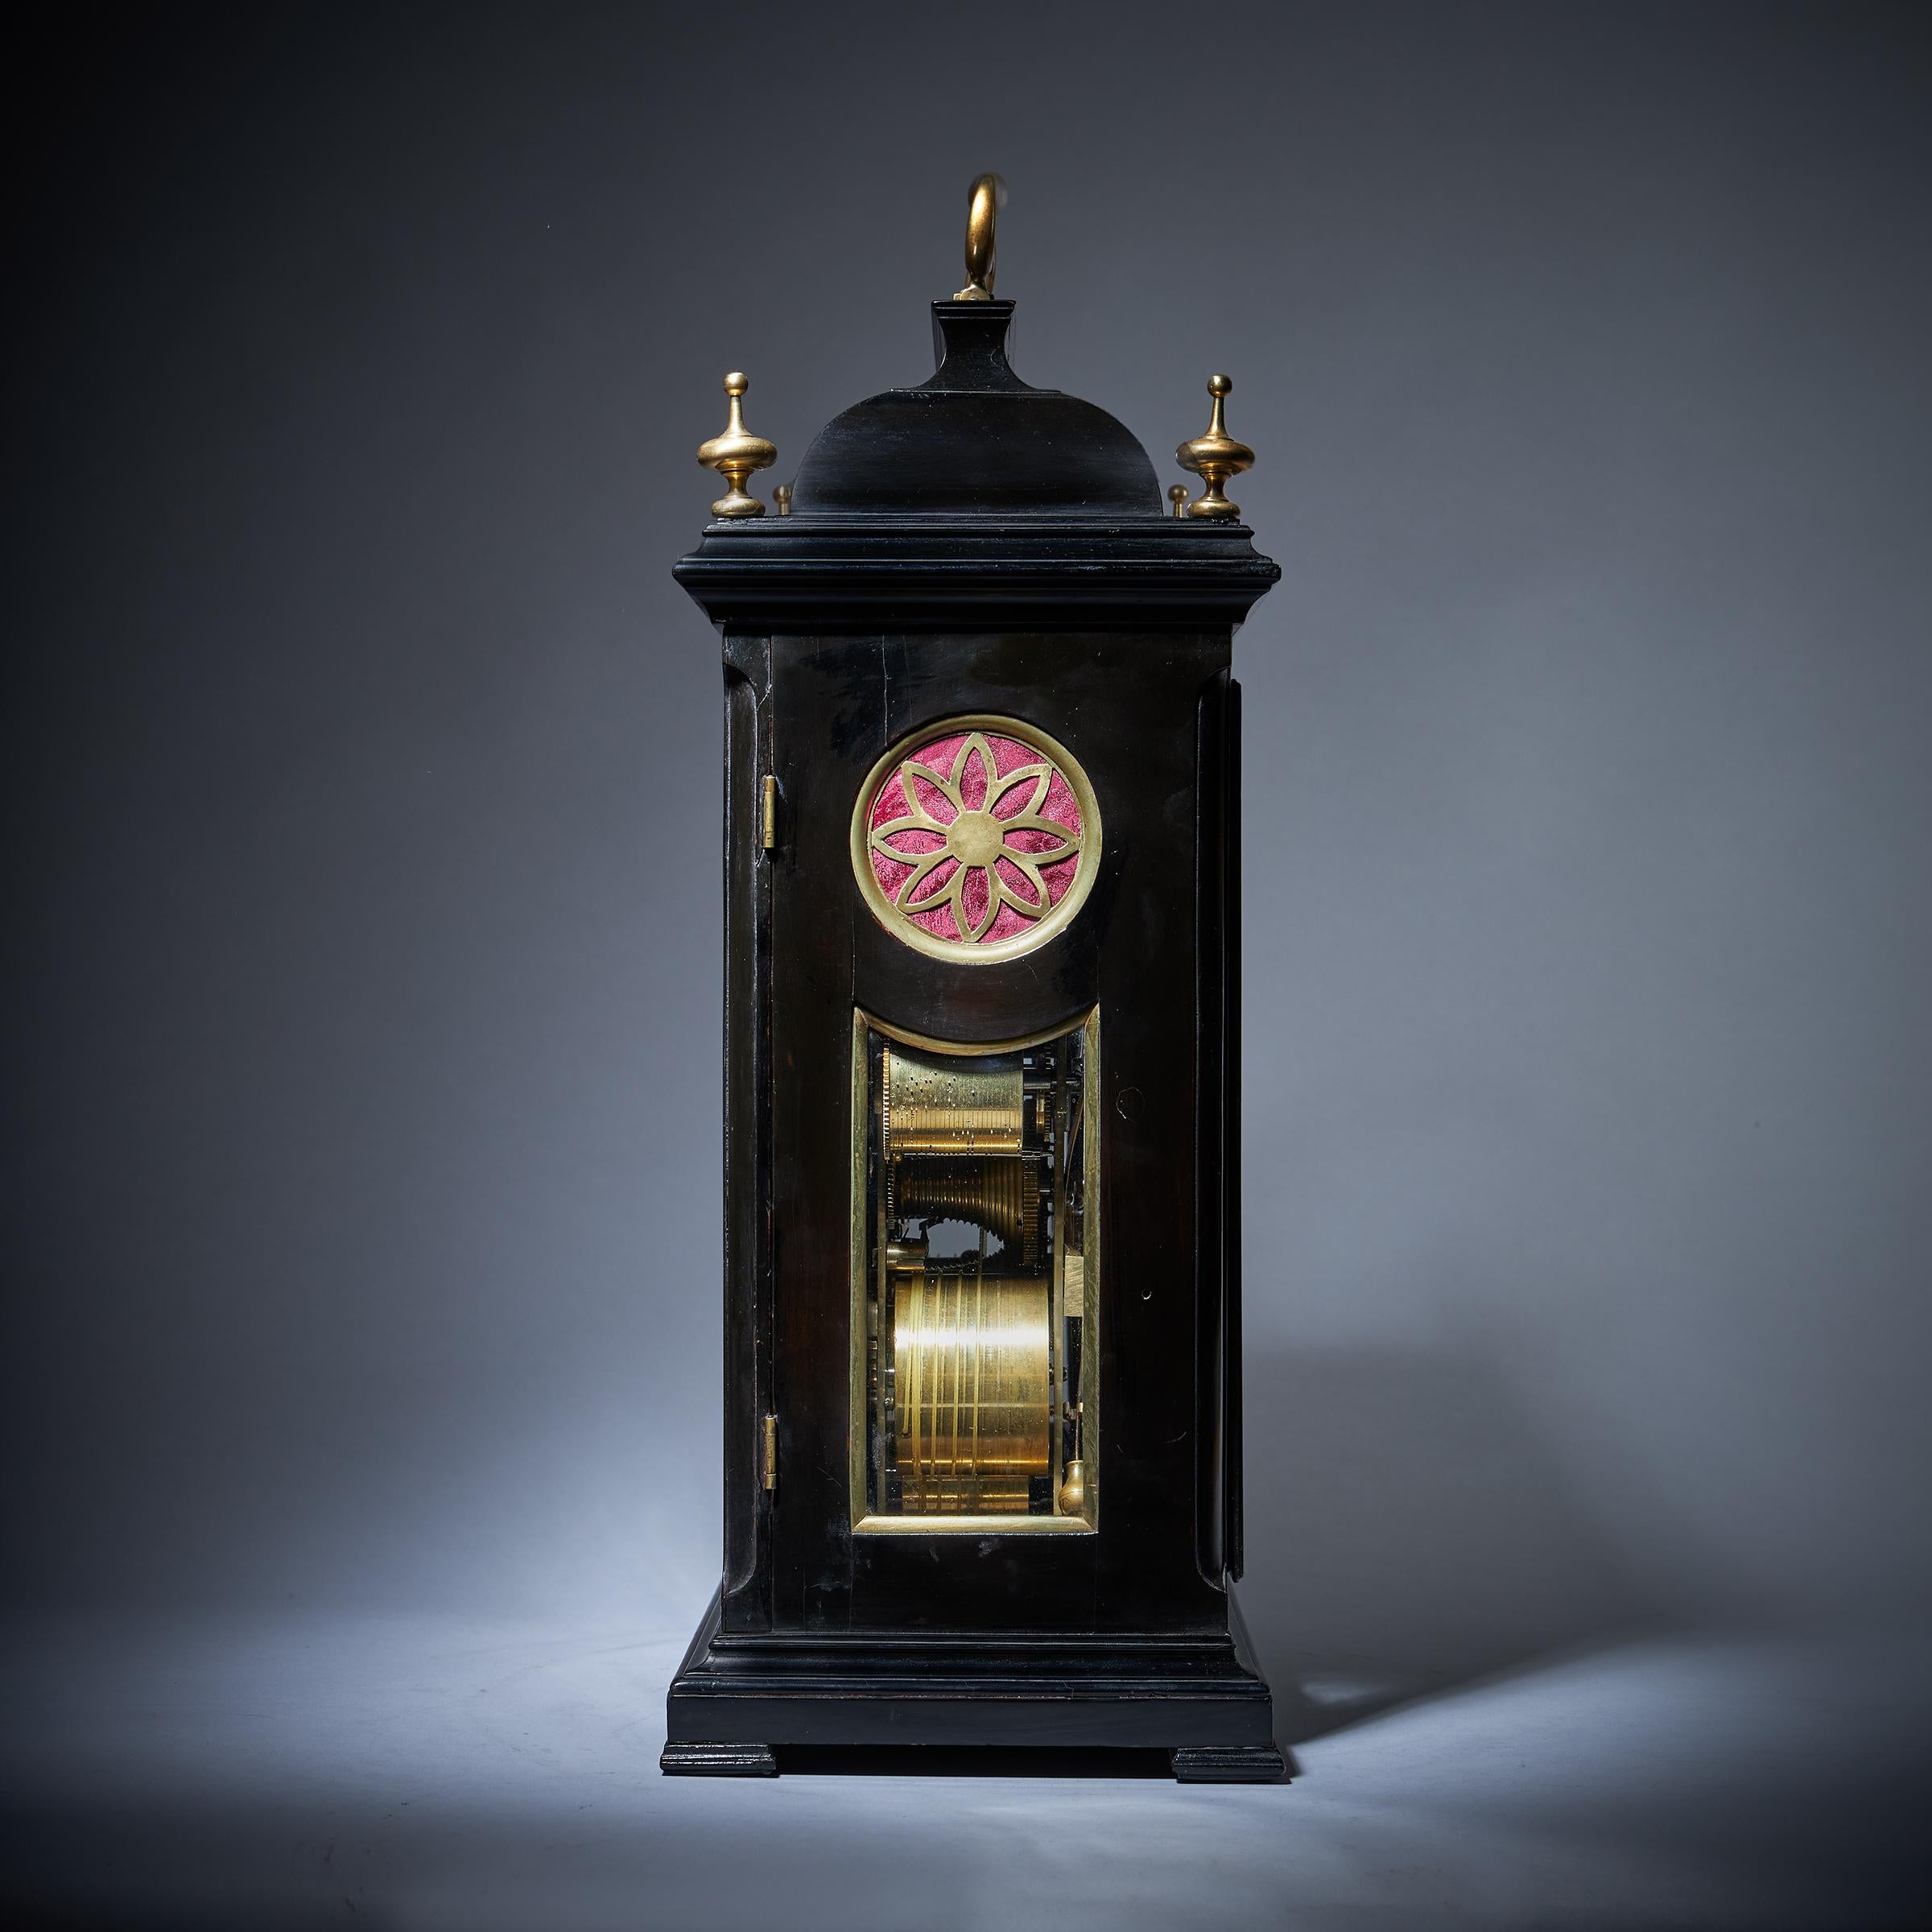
(771, 1452)
(768, 819)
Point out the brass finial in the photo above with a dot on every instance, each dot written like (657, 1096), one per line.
(1215, 457)
(735, 453)
(989, 197)
(1177, 495)
(781, 495)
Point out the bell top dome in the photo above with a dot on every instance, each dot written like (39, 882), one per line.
(973, 440)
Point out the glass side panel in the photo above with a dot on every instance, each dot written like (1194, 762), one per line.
(971, 1175)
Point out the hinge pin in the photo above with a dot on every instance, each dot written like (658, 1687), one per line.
(771, 1452)
(768, 828)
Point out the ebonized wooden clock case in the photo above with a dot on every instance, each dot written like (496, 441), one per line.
(982, 1268)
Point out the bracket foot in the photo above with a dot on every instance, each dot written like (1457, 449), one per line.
(683, 1759)
(1229, 1764)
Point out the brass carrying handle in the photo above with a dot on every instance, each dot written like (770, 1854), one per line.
(988, 198)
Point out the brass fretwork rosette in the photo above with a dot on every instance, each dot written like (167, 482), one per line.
(976, 840)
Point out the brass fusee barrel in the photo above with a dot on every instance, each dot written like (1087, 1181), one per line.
(1002, 1196)
(936, 1105)
(972, 1390)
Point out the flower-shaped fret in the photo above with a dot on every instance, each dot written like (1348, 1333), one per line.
(976, 838)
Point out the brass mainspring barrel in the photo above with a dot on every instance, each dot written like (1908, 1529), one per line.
(972, 1384)
(933, 1104)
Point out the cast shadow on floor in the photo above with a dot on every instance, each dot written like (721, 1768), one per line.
(1409, 1532)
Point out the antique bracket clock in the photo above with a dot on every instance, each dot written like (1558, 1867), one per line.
(982, 1326)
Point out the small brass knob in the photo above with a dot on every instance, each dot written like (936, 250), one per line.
(1215, 457)
(781, 495)
(1177, 495)
(735, 453)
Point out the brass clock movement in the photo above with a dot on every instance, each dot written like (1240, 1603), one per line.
(982, 1294)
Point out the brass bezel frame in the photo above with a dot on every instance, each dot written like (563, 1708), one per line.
(1087, 1523)
(1051, 923)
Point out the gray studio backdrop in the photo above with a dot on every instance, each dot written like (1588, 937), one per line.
(363, 1168)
